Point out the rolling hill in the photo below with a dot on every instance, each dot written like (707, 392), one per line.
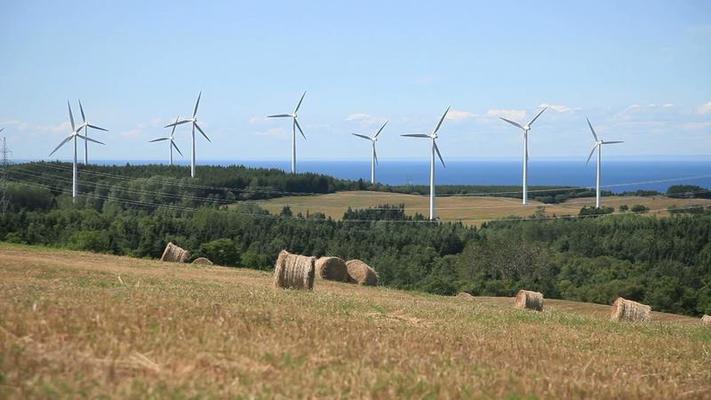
(78, 324)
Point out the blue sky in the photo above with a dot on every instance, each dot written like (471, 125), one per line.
(641, 70)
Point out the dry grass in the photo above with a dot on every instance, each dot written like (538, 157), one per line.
(85, 325)
(468, 209)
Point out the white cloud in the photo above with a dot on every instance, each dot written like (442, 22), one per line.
(272, 132)
(459, 115)
(515, 115)
(257, 120)
(557, 107)
(131, 133)
(704, 109)
(365, 119)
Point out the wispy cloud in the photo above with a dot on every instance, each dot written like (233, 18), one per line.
(515, 115)
(272, 133)
(365, 120)
(558, 107)
(459, 115)
(257, 119)
(704, 109)
(29, 127)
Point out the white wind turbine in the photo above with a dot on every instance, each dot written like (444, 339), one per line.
(433, 136)
(193, 122)
(526, 128)
(294, 124)
(85, 125)
(74, 135)
(598, 145)
(171, 138)
(374, 156)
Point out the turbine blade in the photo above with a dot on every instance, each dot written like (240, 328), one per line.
(613, 142)
(158, 140)
(591, 153)
(197, 103)
(185, 121)
(299, 105)
(440, 121)
(537, 115)
(381, 129)
(83, 117)
(362, 136)
(68, 138)
(438, 154)
(203, 133)
(516, 124)
(176, 147)
(420, 135)
(2, 129)
(97, 127)
(375, 154)
(592, 130)
(299, 126)
(89, 139)
(280, 116)
(71, 116)
(172, 133)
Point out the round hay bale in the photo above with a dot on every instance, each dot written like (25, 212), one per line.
(465, 296)
(706, 320)
(361, 273)
(628, 310)
(202, 261)
(293, 271)
(173, 253)
(332, 269)
(526, 299)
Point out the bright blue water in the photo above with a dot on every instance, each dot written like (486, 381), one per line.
(573, 173)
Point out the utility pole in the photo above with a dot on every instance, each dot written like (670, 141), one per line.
(4, 161)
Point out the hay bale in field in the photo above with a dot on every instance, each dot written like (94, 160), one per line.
(173, 253)
(361, 273)
(526, 299)
(465, 296)
(628, 310)
(706, 320)
(332, 269)
(202, 261)
(293, 271)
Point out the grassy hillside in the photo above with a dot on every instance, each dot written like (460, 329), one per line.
(86, 325)
(468, 209)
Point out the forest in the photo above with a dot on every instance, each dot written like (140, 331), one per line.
(664, 262)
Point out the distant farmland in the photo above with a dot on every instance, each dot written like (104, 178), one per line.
(472, 210)
(78, 324)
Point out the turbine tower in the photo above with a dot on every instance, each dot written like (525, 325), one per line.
(172, 144)
(433, 136)
(294, 124)
(598, 145)
(73, 135)
(525, 128)
(193, 122)
(85, 125)
(374, 157)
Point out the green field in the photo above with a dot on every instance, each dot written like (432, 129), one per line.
(472, 210)
(78, 324)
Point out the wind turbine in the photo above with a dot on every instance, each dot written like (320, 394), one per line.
(526, 128)
(598, 145)
(73, 135)
(172, 144)
(294, 124)
(374, 157)
(85, 125)
(194, 123)
(433, 136)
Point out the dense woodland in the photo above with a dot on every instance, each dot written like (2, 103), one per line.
(665, 262)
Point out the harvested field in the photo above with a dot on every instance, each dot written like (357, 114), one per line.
(468, 209)
(78, 324)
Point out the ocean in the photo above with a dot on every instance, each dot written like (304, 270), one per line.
(617, 176)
